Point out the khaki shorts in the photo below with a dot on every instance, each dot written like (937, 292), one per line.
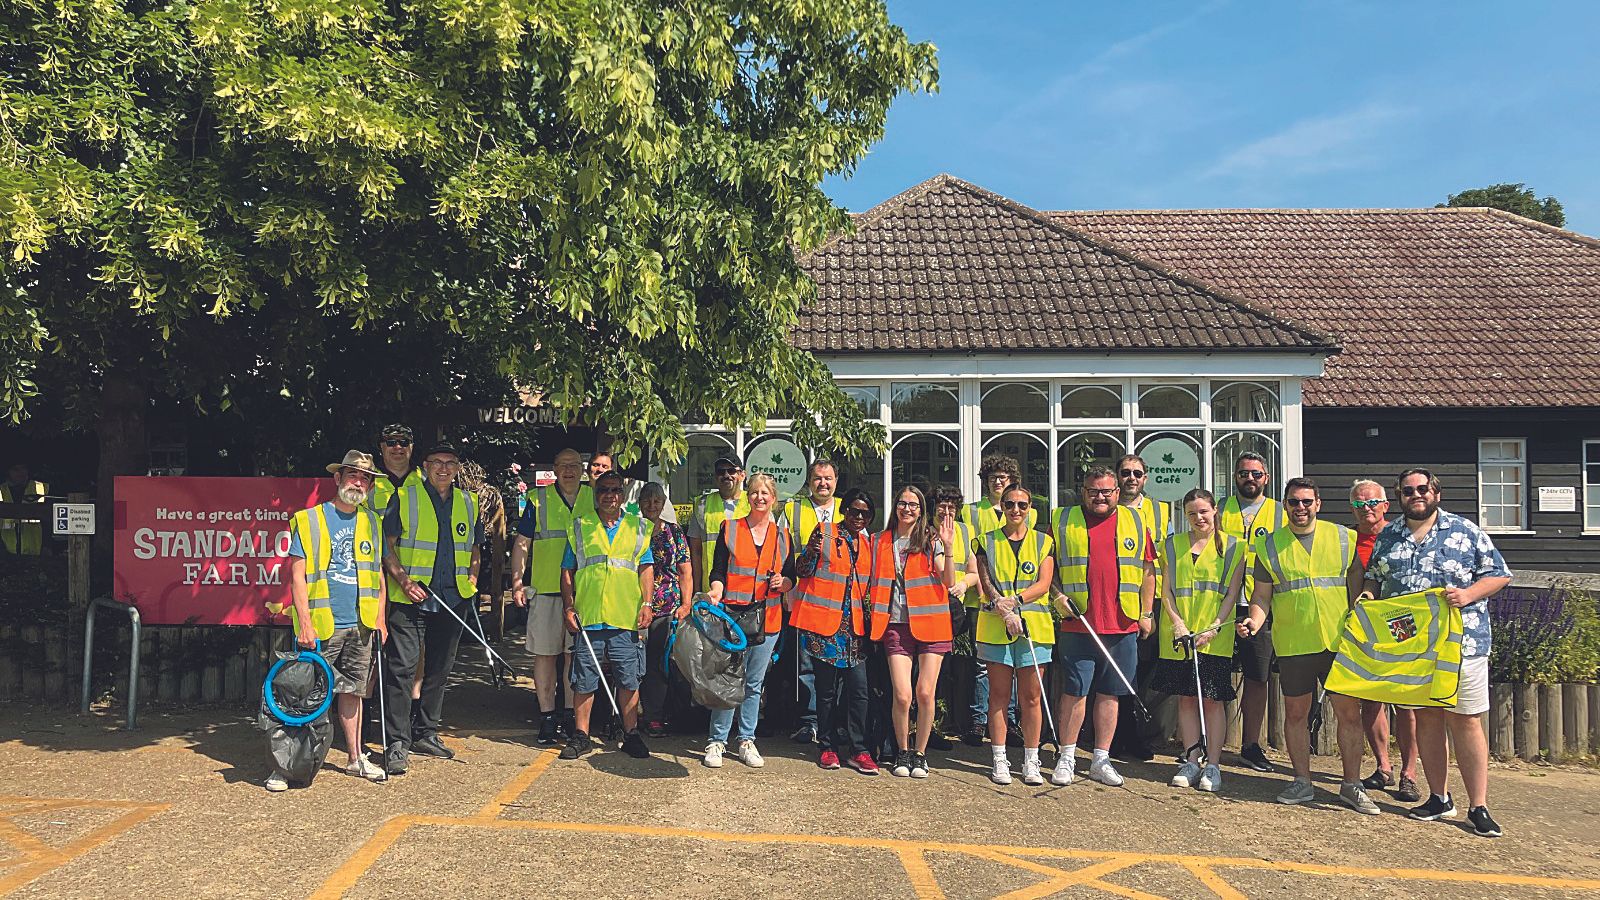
(547, 626)
(349, 652)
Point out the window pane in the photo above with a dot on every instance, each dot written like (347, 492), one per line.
(1076, 453)
(1493, 517)
(925, 459)
(1591, 510)
(868, 397)
(1015, 402)
(695, 477)
(1032, 453)
(1245, 401)
(865, 472)
(1091, 401)
(1225, 449)
(1172, 401)
(922, 402)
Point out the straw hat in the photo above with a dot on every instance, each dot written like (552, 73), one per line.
(355, 459)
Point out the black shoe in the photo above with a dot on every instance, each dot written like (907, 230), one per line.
(805, 734)
(1013, 736)
(1406, 792)
(432, 746)
(633, 745)
(1256, 758)
(975, 735)
(395, 759)
(1435, 809)
(1131, 753)
(938, 741)
(577, 745)
(549, 730)
(1378, 780)
(1483, 825)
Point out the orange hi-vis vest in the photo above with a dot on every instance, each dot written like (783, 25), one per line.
(927, 599)
(819, 606)
(750, 566)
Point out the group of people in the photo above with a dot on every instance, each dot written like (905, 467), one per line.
(1246, 584)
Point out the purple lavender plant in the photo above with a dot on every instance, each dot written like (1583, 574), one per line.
(1529, 626)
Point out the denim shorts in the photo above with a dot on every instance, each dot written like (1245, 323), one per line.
(1014, 654)
(1086, 667)
(620, 652)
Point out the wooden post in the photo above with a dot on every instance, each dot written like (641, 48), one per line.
(1275, 713)
(167, 682)
(32, 678)
(1527, 710)
(1234, 716)
(497, 571)
(1328, 734)
(1594, 719)
(1575, 718)
(1502, 722)
(65, 650)
(10, 672)
(1550, 723)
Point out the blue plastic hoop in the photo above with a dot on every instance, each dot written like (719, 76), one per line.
(272, 702)
(733, 627)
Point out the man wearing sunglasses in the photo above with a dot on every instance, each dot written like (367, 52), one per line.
(1369, 505)
(1131, 741)
(728, 501)
(1433, 548)
(1310, 575)
(395, 444)
(1250, 515)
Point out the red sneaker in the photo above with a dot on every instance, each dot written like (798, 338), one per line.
(862, 762)
(828, 760)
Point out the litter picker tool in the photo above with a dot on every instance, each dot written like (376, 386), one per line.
(1187, 642)
(1044, 695)
(383, 716)
(495, 668)
(1140, 711)
(493, 656)
(598, 669)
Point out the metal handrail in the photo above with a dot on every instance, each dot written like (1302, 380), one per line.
(133, 664)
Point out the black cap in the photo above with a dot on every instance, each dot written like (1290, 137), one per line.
(442, 448)
(728, 461)
(396, 431)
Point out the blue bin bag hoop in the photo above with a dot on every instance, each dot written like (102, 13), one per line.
(272, 702)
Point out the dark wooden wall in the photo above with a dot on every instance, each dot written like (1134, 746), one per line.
(1338, 451)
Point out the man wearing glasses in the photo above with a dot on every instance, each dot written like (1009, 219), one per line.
(802, 516)
(710, 511)
(1131, 741)
(536, 558)
(1370, 505)
(1433, 548)
(395, 443)
(1310, 574)
(433, 532)
(1250, 515)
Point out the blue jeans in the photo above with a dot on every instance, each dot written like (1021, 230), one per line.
(749, 709)
(808, 682)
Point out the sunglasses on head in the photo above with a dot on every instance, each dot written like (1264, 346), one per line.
(1367, 504)
(1250, 473)
(1300, 501)
(1014, 504)
(396, 442)
(1131, 473)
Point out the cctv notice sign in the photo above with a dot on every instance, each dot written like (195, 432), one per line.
(207, 551)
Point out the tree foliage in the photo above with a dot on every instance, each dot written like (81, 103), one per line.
(221, 200)
(1513, 198)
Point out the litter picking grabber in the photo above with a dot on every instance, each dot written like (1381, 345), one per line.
(495, 668)
(493, 656)
(1044, 695)
(383, 713)
(1140, 711)
(1187, 642)
(598, 669)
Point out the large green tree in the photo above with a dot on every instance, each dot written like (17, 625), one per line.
(225, 202)
(1513, 198)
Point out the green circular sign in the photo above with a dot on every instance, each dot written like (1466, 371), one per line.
(783, 460)
(1173, 467)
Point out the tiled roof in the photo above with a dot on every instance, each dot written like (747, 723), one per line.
(1434, 307)
(947, 266)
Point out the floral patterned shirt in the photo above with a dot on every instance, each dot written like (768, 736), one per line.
(1454, 553)
(670, 547)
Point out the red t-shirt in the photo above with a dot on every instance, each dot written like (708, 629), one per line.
(1364, 544)
(1105, 607)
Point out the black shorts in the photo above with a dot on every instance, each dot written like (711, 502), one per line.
(1298, 675)
(1253, 655)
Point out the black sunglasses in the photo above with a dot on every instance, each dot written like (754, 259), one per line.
(1015, 504)
(1300, 501)
(1421, 490)
(1250, 473)
(863, 513)
(396, 443)
(1131, 473)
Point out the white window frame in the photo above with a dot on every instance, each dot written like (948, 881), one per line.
(1521, 464)
(1591, 456)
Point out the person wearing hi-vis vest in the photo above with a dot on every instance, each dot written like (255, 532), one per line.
(911, 578)
(335, 578)
(1433, 548)
(802, 515)
(607, 577)
(1132, 740)
(1015, 632)
(748, 580)
(710, 511)
(396, 471)
(1105, 562)
(947, 503)
(1201, 575)
(1307, 575)
(1369, 505)
(21, 537)
(1250, 515)
(536, 557)
(997, 473)
(433, 532)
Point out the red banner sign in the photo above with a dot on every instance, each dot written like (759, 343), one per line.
(207, 551)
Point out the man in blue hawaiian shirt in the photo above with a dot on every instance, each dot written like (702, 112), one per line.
(1433, 548)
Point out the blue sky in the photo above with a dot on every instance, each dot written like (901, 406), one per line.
(1080, 105)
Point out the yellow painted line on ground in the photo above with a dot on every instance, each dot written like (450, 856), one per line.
(43, 857)
(1059, 879)
(346, 876)
(1216, 883)
(30, 846)
(524, 780)
(920, 876)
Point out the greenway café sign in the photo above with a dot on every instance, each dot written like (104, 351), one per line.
(1173, 467)
(783, 460)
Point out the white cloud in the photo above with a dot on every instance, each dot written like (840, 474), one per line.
(1325, 143)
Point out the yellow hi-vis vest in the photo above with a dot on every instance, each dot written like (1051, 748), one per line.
(419, 537)
(311, 526)
(1157, 517)
(552, 520)
(1198, 588)
(1072, 559)
(707, 524)
(983, 517)
(17, 536)
(1269, 518)
(1309, 596)
(1012, 573)
(800, 517)
(959, 554)
(383, 490)
(605, 584)
(1404, 650)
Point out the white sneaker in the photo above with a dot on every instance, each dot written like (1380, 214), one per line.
(1187, 773)
(1002, 771)
(364, 767)
(1210, 779)
(1063, 774)
(1030, 772)
(1105, 773)
(277, 782)
(713, 757)
(748, 754)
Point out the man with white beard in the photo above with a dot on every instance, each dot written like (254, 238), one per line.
(336, 579)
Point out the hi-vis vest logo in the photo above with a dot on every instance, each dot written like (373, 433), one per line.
(1403, 627)
(366, 548)
(1261, 531)
(1127, 543)
(461, 529)
(1028, 567)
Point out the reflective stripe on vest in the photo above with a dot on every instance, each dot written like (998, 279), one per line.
(962, 553)
(1404, 649)
(18, 536)
(819, 598)
(605, 580)
(419, 538)
(1012, 573)
(316, 539)
(708, 510)
(1309, 596)
(1269, 518)
(749, 568)
(383, 490)
(1072, 562)
(552, 519)
(927, 601)
(1198, 588)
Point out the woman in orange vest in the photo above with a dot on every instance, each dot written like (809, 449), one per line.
(747, 577)
(911, 578)
(830, 611)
